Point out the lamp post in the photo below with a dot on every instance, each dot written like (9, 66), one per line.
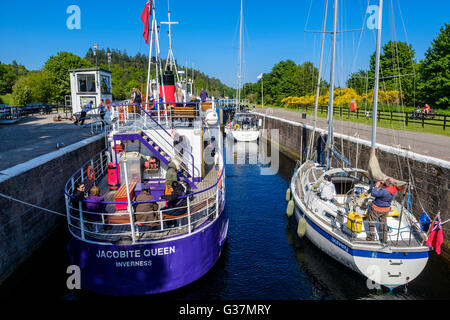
(109, 60)
(95, 46)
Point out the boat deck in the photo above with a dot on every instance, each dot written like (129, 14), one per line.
(400, 234)
(114, 226)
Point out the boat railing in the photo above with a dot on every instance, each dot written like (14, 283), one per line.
(127, 121)
(103, 227)
(406, 234)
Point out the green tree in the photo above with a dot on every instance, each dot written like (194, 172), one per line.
(397, 69)
(32, 88)
(9, 73)
(280, 81)
(359, 81)
(434, 85)
(58, 69)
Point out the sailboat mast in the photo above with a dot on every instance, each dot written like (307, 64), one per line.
(238, 96)
(331, 97)
(377, 76)
(319, 78)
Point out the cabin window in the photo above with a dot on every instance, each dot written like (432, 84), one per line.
(105, 85)
(86, 83)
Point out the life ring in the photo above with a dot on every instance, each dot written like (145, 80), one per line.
(90, 173)
(237, 126)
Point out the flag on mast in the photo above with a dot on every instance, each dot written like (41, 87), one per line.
(145, 15)
(259, 76)
(436, 237)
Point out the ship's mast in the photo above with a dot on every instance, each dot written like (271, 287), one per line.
(170, 62)
(331, 97)
(377, 76)
(239, 77)
(319, 78)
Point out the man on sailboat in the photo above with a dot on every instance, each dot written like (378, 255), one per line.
(320, 147)
(384, 193)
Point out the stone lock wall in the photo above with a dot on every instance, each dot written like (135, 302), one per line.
(40, 182)
(429, 177)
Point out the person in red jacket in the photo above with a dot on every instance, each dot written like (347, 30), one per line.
(384, 193)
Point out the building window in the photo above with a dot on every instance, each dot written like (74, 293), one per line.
(86, 83)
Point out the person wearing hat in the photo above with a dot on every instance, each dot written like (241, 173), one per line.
(327, 190)
(146, 211)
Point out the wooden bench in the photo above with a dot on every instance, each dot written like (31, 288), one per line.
(206, 106)
(194, 209)
(184, 112)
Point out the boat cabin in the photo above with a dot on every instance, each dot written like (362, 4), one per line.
(87, 85)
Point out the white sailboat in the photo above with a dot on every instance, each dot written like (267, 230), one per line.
(339, 228)
(244, 127)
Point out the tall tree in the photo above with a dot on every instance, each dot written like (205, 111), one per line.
(434, 85)
(58, 68)
(397, 70)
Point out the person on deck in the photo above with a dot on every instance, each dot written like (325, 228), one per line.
(203, 95)
(384, 193)
(146, 212)
(175, 207)
(78, 195)
(136, 97)
(171, 176)
(320, 147)
(327, 190)
(97, 206)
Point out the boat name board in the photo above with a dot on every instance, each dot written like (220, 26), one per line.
(126, 254)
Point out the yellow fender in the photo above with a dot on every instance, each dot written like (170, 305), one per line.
(288, 194)
(290, 208)
(301, 228)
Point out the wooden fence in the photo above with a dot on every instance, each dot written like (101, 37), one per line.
(408, 118)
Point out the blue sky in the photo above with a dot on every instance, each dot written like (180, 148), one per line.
(208, 33)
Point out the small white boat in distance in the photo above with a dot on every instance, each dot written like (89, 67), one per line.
(244, 127)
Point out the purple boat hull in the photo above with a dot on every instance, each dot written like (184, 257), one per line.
(141, 269)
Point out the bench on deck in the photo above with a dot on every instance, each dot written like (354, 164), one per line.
(184, 112)
(206, 106)
(194, 209)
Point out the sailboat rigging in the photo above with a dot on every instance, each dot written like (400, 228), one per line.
(338, 226)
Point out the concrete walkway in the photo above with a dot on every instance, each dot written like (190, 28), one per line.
(34, 136)
(432, 145)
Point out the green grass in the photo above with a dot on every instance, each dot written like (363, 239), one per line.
(6, 99)
(415, 127)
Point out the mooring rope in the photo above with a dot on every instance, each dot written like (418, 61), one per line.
(31, 205)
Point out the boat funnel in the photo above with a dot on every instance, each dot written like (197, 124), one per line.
(167, 89)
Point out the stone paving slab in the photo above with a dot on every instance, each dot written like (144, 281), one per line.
(428, 144)
(35, 136)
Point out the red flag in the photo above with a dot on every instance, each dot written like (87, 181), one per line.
(145, 15)
(436, 237)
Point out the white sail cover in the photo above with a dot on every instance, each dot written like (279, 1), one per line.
(376, 174)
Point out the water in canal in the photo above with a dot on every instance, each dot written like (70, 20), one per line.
(263, 257)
